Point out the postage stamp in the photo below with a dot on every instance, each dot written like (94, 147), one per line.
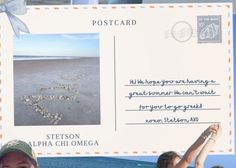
(209, 29)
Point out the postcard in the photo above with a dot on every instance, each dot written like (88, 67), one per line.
(116, 80)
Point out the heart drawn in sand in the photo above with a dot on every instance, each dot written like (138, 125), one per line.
(33, 102)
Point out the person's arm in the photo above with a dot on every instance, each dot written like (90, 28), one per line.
(195, 147)
(199, 163)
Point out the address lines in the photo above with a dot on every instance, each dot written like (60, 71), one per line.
(184, 92)
(172, 93)
(134, 83)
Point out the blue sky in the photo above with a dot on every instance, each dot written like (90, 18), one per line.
(86, 45)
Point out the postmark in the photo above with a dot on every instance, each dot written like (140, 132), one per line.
(209, 29)
(181, 31)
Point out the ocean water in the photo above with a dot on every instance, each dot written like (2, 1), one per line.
(92, 162)
(30, 58)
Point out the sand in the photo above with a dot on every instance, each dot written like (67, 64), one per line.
(57, 92)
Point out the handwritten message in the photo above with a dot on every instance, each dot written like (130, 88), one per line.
(144, 90)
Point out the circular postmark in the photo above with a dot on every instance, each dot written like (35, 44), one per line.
(182, 31)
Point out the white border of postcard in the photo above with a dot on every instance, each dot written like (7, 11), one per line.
(163, 79)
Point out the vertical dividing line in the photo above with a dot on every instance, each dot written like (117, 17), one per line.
(114, 43)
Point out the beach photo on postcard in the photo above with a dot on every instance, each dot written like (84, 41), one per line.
(56, 79)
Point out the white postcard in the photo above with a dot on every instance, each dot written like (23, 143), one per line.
(116, 80)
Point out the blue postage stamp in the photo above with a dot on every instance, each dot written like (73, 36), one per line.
(209, 29)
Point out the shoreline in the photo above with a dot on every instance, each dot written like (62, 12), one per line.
(41, 58)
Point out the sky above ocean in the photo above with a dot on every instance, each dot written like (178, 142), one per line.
(84, 45)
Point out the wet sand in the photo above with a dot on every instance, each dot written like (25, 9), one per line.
(57, 92)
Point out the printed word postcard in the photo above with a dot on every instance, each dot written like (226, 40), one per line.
(116, 80)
